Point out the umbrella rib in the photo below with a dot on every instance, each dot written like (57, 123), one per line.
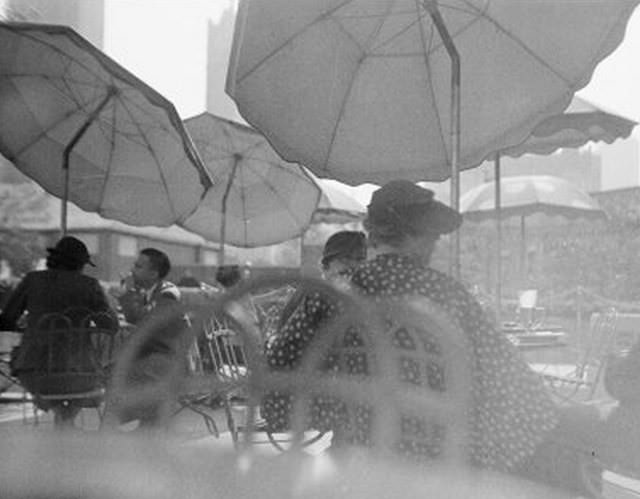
(428, 81)
(403, 30)
(286, 42)
(243, 201)
(276, 193)
(334, 132)
(61, 52)
(153, 155)
(44, 132)
(284, 199)
(107, 177)
(519, 42)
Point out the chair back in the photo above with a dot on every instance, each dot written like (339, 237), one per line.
(218, 352)
(602, 332)
(392, 376)
(66, 355)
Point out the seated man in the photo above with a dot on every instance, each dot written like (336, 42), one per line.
(60, 288)
(144, 293)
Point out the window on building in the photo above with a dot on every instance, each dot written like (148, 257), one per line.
(127, 246)
(209, 257)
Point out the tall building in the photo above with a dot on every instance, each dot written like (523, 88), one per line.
(219, 39)
(84, 16)
(620, 164)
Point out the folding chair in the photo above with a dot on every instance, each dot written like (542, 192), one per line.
(216, 374)
(581, 382)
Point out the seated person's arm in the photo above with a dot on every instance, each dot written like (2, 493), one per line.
(14, 307)
(285, 348)
(132, 305)
(106, 317)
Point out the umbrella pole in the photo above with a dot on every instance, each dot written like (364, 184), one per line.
(227, 190)
(432, 8)
(523, 250)
(67, 153)
(498, 205)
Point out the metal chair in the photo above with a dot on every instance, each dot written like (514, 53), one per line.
(581, 383)
(402, 386)
(64, 363)
(216, 374)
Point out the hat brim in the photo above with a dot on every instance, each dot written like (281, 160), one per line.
(443, 219)
(55, 251)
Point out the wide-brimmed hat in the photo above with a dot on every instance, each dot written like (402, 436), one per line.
(403, 205)
(345, 244)
(72, 249)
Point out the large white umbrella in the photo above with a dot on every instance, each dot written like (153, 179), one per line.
(257, 198)
(580, 123)
(90, 132)
(368, 91)
(360, 91)
(526, 195)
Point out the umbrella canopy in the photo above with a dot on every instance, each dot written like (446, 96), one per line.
(580, 123)
(529, 194)
(90, 132)
(257, 198)
(523, 196)
(359, 90)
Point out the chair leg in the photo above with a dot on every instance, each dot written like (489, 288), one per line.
(231, 425)
(64, 415)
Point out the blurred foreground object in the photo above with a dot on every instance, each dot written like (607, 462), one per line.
(105, 466)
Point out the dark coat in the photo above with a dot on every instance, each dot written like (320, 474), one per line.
(53, 291)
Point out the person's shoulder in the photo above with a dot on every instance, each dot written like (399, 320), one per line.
(169, 290)
(88, 280)
(34, 276)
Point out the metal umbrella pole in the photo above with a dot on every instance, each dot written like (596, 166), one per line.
(498, 209)
(66, 154)
(223, 224)
(431, 6)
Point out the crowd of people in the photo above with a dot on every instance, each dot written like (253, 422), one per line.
(514, 426)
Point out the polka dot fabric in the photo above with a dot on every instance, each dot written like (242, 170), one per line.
(511, 411)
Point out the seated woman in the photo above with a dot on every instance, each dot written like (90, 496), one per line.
(511, 413)
(61, 288)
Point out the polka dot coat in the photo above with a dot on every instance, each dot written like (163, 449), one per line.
(511, 412)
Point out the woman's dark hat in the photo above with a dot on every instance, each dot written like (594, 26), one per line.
(410, 206)
(345, 244)
(72, 249)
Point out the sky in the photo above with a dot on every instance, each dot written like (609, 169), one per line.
(164, 43)
(615, 85)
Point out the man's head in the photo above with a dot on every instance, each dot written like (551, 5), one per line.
(228, 275)
(150, 267)
(343, 251)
